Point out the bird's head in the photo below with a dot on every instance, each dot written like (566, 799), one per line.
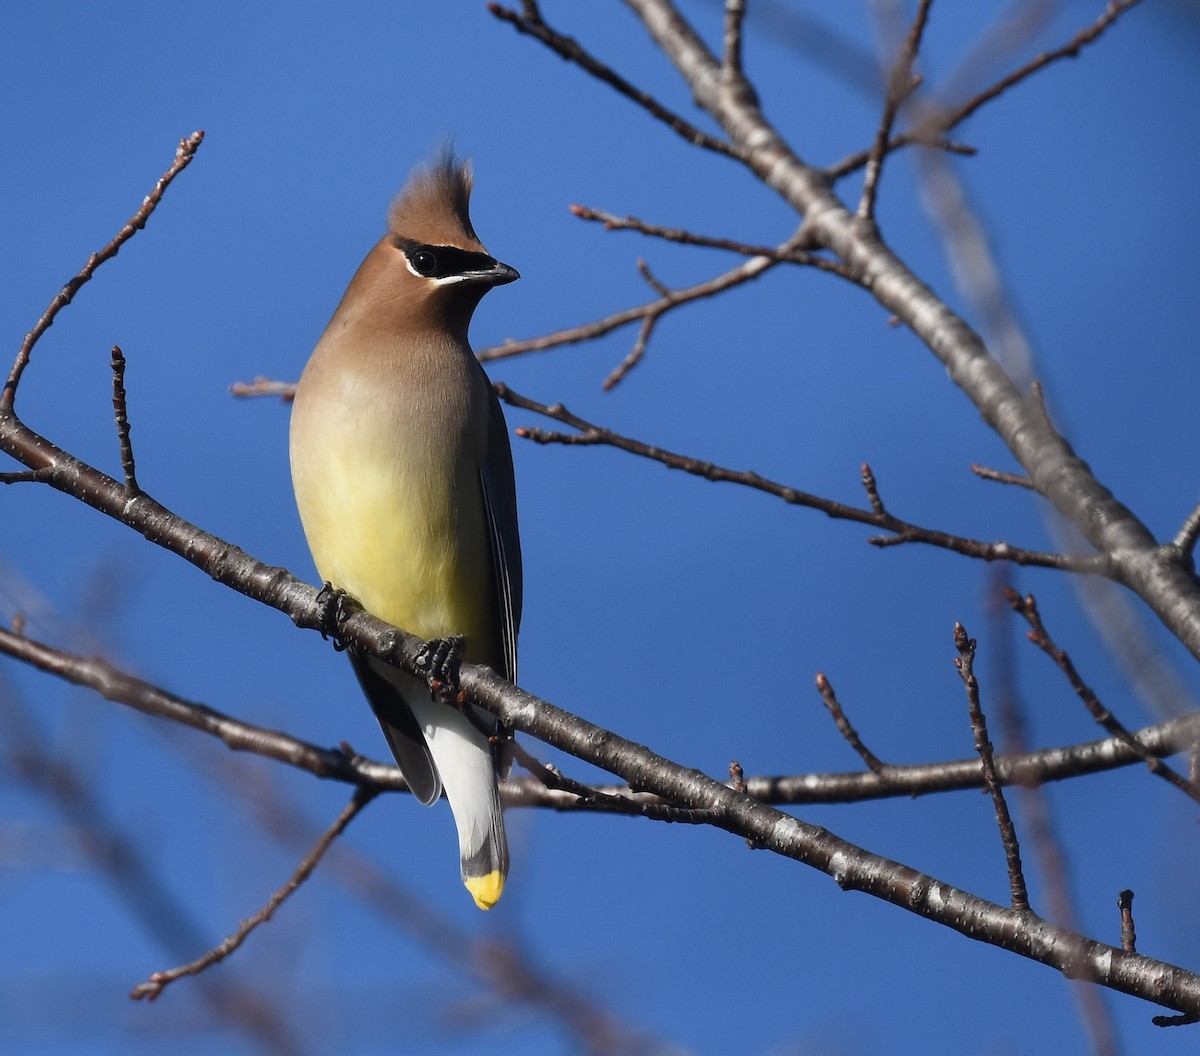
(431, 266)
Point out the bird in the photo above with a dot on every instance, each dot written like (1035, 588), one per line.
(403, 477)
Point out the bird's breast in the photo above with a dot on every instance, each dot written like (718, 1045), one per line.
(385, 463)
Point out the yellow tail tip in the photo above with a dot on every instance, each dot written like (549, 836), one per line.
(486, 889)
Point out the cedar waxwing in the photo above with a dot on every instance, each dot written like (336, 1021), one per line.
(404, 482)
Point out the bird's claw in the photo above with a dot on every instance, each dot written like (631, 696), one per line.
(335, 609)
(438, 660)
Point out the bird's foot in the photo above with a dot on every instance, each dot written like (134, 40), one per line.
(335, 609)
(438, 660)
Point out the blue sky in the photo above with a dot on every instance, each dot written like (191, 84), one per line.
(686, 615)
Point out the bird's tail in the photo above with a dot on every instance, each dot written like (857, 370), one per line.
(466, 762)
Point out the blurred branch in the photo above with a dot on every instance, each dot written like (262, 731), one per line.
(589, 434)
(510, 972)
(931, 130)
(901, 83)
(260, 386)
(119, 860)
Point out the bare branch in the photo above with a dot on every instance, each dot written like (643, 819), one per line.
(642, 314)
(159, 981)
(1041, 834)
(1027, 607)
(183, 156)
(260, 386)
(1022, 768)
(1158, 575)
(1189, 532)
(903, 531)
(983, 745)
(121, 416)
(530, 21)
(1128, 932)
(613, 222)
(829, 698)
(1001, 477)
(901, 84)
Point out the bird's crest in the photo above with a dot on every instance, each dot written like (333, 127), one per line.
(433, 207)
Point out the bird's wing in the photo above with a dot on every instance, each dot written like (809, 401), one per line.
(500, 502)
(381, 685)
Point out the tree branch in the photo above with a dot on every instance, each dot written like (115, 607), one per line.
(1157, 574)
(902, 531)
(183, 157)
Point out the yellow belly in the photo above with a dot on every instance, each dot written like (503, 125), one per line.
(398, 523)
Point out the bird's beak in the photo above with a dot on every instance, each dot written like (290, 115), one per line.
(496, 274)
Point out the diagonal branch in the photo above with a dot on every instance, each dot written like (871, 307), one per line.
(613, 222)
(644, 314)
(902, 531)
(529, 21)
(159, 981)
(183, 156)
(1159, 575)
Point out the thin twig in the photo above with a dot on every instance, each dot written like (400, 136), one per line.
(1041, 838)
(529, 21)
(1027, 607)
(653, 310)
(612, 222)
(900, 86)
(873, 762)
(260, 386)
(1128, 932)
(735, 14)
(159, 981)
(965, 662)
(931, 132)
(606, 800)
(121, 416)
(903, 531)
(871, 487)
(1185, 1019)
(114, 846)
(183, 156)
(1185, 540)
(1001, 477)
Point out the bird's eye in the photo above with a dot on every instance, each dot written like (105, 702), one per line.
(423, 262)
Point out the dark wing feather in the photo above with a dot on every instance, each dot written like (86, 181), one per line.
(400, 727)
(500, 501)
